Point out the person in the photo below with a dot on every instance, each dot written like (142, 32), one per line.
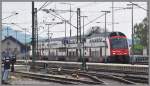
(6, 60)
(13, 59)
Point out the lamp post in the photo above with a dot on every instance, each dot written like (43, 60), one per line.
(105, 28)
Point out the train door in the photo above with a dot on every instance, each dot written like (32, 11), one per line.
(100, 55)
(90, 52)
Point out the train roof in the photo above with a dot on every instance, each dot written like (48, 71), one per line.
(86, 36)
(116, 34)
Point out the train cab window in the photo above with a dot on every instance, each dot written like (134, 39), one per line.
(119, 43)
(121, 34)
(113, 34)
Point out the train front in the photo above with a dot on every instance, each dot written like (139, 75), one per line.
(119, 51)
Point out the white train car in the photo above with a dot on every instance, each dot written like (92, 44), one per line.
(94, 48)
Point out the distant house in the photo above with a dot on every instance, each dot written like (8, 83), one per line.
(11, 43)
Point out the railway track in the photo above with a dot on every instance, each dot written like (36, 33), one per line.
(57, 79)
(100, 74)
(94, 78)
(125, 78)
(103, 67)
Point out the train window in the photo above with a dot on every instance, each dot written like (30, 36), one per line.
(113, 34)
(121, 34)
(116, 34)
(84, 53)
(119, 43)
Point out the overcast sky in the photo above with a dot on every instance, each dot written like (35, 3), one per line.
(90, 9)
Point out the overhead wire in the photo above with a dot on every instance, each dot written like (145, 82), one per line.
(63, 19)
(101, 16)
(139, 6)
(46, 29)
(42, 6)
(94, 19)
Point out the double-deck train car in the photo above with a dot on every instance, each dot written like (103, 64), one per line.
(94, 48)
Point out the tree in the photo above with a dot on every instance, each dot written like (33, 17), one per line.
(141, 33)
(95, 30)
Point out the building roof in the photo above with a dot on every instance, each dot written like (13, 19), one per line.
(14, 40)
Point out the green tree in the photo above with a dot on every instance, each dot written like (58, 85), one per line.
(141, 33)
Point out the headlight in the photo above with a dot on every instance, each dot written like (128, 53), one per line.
(114, 53)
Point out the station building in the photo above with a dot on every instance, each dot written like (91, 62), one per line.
(11, 43)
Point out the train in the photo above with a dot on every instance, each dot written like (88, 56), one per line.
(119, 49)
(109, 47)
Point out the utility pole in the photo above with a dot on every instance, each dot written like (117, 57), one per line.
(70, 20)
(148, 7)
(48, 40)
(16, 37)
(7, 32)
(37, 39)
(33, 37)
(65, 28)
(83, 34)
(79, 37)
(26, 49)
(132, 32)
(70, 16)
(132, 27)
(148, 27)
(65, 38)
(83, 40)
(79, 30)
(7, 35)
(112, 16)
(105, 28)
